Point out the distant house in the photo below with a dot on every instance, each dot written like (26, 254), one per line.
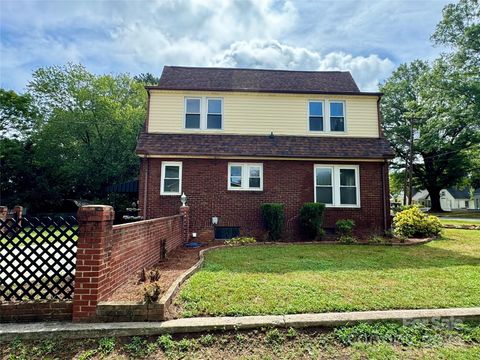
(450, 199)
(476, 199)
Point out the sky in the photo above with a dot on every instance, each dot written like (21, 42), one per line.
(368, 38)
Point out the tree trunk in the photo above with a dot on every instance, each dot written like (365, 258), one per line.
(435, 199)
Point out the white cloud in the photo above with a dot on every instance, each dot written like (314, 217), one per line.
(142, 36)
(368, 71)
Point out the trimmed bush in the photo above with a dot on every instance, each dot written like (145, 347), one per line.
(311, 219)
(345, 226)
(413, 223)
(273, 217)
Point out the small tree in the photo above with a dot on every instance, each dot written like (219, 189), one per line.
(273, 218)
(311, 219)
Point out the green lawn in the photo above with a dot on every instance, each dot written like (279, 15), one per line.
(459, 222)
(466, 214)
(291, 279)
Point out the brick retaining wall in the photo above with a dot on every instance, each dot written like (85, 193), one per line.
(36, 311)
(107, 255)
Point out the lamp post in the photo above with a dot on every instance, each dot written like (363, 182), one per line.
(183, 199)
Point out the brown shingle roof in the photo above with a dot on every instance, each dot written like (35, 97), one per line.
(257, 80)
(263, 146)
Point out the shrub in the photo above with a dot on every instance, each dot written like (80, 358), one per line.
(151, 293)
(311, 219)
(242, 240)
(413, 222)
(273, 218)
(345, 227)
(347, 239)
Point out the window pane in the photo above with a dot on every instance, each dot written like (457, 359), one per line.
(255, 172)
(348, 195)
(324, 176)
(336, 109)
(214, 121)
(192, 121)
(316, 123)
(236, 171)
(315, 108)
(193, 106)
(324, 195)
(337, 124)
(254, 182)
(347, 177)
(215, 106)
(171, 185)
(172, 172)
(236, 181)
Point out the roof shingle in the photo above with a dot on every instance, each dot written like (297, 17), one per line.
(263, 146)
(257, 80)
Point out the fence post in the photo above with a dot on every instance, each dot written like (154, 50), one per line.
(95, 224)
(3, 213)
(185, 212)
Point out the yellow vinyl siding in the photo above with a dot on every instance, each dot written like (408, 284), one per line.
(262, 113)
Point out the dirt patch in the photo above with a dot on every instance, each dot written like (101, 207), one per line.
(171, 268)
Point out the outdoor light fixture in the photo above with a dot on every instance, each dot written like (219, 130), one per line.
(214, 220)
(194, 235)
(183, 199)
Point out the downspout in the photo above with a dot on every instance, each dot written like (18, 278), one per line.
(145, 190)
(384, 199)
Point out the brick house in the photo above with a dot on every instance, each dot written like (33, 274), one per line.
(232, 139)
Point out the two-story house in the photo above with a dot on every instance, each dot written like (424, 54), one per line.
(232, 139)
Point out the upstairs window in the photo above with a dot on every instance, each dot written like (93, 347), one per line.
(245, 176)
(337, 116)
(192, 113)
(214, 113)
(315, 115)
(171, 179)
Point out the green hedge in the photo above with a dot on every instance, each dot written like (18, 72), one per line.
(311, 219)
(273, 217)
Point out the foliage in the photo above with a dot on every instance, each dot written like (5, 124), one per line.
(273, 217)
(106, 345)
(311, 219)
(441, 101)
(274, 337)
(378, 239)
(413, 222)
(345, 226)
(308, 278)
(347, 239)
(18, 114)
(151, 293)
(240, 240)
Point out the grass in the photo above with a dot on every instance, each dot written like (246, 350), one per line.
(292, 279)
(38, 236)
(362, 341)
(467, 214)
(459, 222)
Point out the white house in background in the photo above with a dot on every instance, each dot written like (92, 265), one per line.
(476, 199)
(450, 199)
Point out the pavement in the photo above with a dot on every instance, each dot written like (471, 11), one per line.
(68, 330)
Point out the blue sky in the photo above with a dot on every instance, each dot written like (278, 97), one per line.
(369, 38)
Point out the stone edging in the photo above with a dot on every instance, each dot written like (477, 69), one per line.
(69, 330)
(461, 227)
(166, 300)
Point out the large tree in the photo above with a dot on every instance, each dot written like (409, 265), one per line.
(441, 104)
(92, 122)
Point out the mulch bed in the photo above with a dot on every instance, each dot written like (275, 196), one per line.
(177, 262)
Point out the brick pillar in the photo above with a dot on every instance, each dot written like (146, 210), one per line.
(3, 213)
(185, 212)
(95, 224)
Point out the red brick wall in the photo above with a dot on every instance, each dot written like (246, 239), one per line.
(36, 311)
(107, 255)
(289, 182)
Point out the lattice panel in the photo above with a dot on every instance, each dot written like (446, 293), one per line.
(37, 258)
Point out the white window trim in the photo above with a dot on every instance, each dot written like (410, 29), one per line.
(203, 113)
(336, 184)
(162, 178)
(344, 104)
(326, 116)
(245, 176)
(323, 115)
(185, 112)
